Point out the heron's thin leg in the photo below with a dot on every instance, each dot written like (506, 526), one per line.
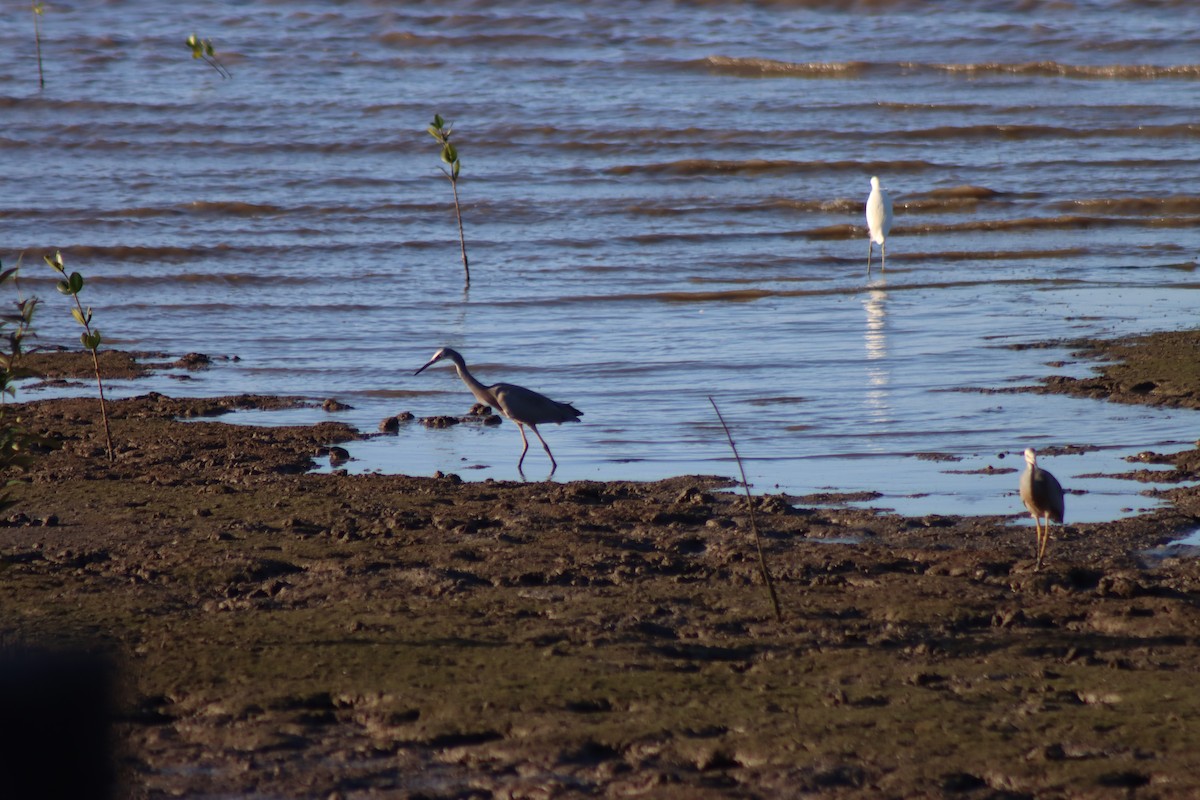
(883, 257)
(1045, 540)
(546, 447)
(1037, 543)
(524, 441)
(870, 246)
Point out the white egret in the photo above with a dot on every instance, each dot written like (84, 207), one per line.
(879, 222)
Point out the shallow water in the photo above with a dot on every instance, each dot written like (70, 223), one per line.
(662, 204)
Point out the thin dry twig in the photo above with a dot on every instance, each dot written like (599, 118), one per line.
(762, 561)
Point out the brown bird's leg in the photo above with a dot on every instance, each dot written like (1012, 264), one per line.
(1037, 545)
(1045, 540)
(546, 447)
(524, 441)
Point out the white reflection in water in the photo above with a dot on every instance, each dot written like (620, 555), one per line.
(875, 338)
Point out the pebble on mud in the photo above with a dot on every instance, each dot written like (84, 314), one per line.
(392, 424)
(193, 361)
(337, 455)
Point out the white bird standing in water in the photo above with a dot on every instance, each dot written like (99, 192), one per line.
(523, 406)
(879, 222)
(1043, 496)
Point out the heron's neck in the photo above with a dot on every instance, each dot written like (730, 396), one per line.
(478, 389)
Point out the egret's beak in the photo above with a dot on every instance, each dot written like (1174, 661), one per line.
(422, 369)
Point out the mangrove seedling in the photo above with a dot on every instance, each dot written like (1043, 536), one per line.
(440, 131)
(203, 50)
(71, 285)
(14, 327)
(37, 38)
(18, 445)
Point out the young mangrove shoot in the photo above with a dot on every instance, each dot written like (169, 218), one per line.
(440, 131)
(71, 285)
(203, 50)
(18, 445)
(37, 38)
(14, 327)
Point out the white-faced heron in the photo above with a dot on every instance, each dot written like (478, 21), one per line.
(1043, 496)
(879, 222)
(523, 406)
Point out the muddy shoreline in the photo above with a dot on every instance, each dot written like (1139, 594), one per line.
(279, 633)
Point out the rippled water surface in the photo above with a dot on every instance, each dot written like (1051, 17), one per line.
(662, 203)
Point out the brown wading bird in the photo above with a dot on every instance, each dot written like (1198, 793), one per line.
(523, 406)
(1043, 496)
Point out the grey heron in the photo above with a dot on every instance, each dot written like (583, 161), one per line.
(523, 406)
(1043, 496)
(879, 222)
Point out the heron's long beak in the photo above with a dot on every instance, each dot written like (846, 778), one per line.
(422, 369)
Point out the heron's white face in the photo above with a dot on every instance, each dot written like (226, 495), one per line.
(874, 182)
(438, 356)
(1030, 456)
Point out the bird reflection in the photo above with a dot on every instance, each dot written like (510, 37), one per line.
(875, 338)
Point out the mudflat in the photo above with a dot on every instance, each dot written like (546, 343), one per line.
(279, 633)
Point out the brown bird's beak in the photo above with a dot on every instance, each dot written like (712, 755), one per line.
(422, 369)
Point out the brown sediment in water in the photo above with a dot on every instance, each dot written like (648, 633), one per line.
(709, 166)
(1061, 222)
(767, 67)
(283, 633)
(1161, 369)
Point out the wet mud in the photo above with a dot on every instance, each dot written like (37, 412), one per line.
(279, 633)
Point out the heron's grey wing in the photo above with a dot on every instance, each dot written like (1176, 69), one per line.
(529, 407)
(1041, 493)
(1054, 501)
